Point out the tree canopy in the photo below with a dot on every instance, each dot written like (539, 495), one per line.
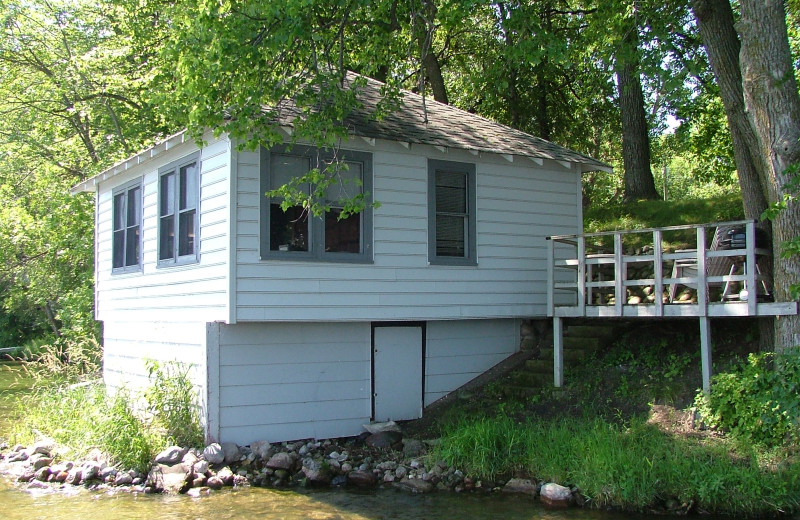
(86, 84)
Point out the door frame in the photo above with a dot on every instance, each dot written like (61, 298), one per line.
(376, 324)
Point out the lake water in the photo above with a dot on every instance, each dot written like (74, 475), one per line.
(386, 504)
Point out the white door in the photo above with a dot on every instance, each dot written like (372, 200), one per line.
(397, 373)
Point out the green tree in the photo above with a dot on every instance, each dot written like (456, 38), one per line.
(72, 84)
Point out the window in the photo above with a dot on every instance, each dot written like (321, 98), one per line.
(127, 231)
(451, 213)
(295, 234)
(178, 198)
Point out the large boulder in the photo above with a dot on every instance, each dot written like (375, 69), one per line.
(385, 439)
(171, 455)
(261, 449)
(555, 495)
(231, 451)
(413, 485)
(169, 478)
(521, 485)
(362, 479)
(281, 461)
(213, 454)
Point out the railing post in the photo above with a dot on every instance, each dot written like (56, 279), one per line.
(751, 269)
(550, 280)
(619, 276)
(658, 273)
(705, 351)
(702, 288)
(582, 275)
(558, 353)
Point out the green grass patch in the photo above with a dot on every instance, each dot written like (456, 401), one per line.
(658, 213)
(128, 429)
(648, 214)
(633, 467)
(83, 418)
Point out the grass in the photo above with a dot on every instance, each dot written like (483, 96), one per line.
(14, 383)
(84, 418)
(598, 435)
(633, 467)
(658, 213)
(127, 429)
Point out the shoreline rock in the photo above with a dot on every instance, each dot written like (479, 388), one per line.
(383, 459)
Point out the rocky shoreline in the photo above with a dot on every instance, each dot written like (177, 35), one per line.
(383, 458)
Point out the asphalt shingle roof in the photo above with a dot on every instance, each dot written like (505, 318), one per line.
(446, 126)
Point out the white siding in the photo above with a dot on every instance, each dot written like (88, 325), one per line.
(458, 351)
(283, 381)
(519, 203)
(287, 381)
(127, 345)
(196, 292)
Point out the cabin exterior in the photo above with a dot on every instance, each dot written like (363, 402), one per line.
(300, 328)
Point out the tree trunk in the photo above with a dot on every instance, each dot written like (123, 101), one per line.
(715, 21)
(424, 27)
(639, 182)
(773, 105)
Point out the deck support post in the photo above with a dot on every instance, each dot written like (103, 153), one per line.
(558, 352)
(705, 351)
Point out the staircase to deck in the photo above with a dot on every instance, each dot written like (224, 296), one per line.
(581, 341)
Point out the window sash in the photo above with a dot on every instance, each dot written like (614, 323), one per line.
(452, 213)
(179, 196)
(126, 228)
(295, 234)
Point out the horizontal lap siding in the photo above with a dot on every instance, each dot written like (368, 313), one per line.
(519, 204)
(190, 292)
(285, 381)
(126, 346)
(459, 351)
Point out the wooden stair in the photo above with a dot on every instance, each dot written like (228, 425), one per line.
(580, 342)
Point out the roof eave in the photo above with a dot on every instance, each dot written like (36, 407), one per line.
(145, 155)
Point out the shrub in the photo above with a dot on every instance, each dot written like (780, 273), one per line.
(172, 402)
(758, 401)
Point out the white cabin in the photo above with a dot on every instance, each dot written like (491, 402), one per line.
(311, 328)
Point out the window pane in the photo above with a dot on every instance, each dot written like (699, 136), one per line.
(132, 246)
(342, 236)
(188, 186)
(451, 192)
(167, 203)
(119, 211)
(284, 168)
(186, 233)
(288, 229)
(134, 206)
(119, 249)
(347, 184)
(450, 235)
(166, 234)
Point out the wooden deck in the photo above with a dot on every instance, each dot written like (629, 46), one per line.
(636, 274)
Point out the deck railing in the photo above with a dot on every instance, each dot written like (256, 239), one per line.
(589, 275)
(581, 268)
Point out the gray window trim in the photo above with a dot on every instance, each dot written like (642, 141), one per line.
(471, 256)
(316, 251)
(125, 188)
(176, 259)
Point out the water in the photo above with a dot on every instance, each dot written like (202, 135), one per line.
(289, 505)
(388, 504)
